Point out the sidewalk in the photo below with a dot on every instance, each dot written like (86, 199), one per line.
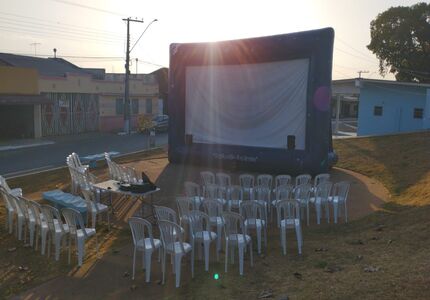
(23, 143)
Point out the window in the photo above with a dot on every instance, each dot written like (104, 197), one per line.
(418, 113)
(148, 105)
(119, 106)
(377, 111)
(135, 106)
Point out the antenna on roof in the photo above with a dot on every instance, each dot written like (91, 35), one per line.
(361, 72)
(55, 52)
(35, 47)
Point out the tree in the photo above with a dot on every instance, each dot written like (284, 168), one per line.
(400, 38)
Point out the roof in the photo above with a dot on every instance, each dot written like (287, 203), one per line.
(357, 81)
(15, 99)
(45, 66)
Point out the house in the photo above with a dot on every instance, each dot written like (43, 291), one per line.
(84, 100)
(385, 106)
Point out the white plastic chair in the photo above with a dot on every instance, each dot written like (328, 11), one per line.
(254, 214)
(212, 191)
(288, 213)
(303, 179)
(192, 190)
(339, 196)
(322, 192)
(185, 206)
(17, 192)
(39, 227)
(236, 236)
(57, 230)
(234, 197)
(94, 207)
(301, 194)
(281, 180)
(323, 177)
(282, 192)
(78, 232)
(23, 216)
(214, 209)
(164, 213)
(207, 177)
(247, 181)
(143, 242)
(223, 179)
(10, 209)
(262, 195)
(201, 234)
(173, 244)
(265, 180)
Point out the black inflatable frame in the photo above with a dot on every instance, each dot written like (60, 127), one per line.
(318, 156)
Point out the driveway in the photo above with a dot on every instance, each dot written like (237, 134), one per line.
(50, 155)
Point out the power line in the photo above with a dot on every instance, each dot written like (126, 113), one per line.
(349, 46)
(89, 7)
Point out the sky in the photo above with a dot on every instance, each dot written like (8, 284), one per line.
(91, 33)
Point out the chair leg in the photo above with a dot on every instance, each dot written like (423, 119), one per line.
(219, 233)
(134, 262)
(346, 212)
(178, 258)
(163, 265)
(192, 263)
(44, 233)
(318, 211)
(148, 255)
(108, 219)
(70, 245)
(307, 213)
(258, 229)
(57, 246)
(240, 246)
(80, 243)
(206, 245)
(250, 252)
(299, 238)
(284, 240)
(335, 211)
(226, 256)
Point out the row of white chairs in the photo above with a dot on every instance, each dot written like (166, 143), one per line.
(44, 222)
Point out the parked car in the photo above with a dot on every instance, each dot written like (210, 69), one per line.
(161, 122)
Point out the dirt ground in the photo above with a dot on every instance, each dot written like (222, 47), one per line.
(109, 277)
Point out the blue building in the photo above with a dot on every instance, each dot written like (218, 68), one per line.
(391, 107)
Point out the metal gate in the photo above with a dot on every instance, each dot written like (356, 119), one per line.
(70, 114)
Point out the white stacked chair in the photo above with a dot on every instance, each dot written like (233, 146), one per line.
(339, 197)
(235, 236)
(323, 177)
(282, 192)
(321, 198)
(78, 232)
(17, 192)
(234, 197)
(303, 179)
(10, 209)
(223, 179)
(94, 207)
(247, 182)
(23, 216)
(301, 194)
(288, 216)
(40, 226)
(214, 209)
(185, 206)
(254, 214)
(281, 180)
(57, 230)
(262, 195)
(173, 244)
(143, 241)
(265, 180)
(192, 190)
(201, 234)
(164, 213)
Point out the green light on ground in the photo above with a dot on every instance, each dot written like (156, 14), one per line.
(216, 276)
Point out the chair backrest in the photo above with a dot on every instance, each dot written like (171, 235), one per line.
(170, 234)
(35, 210)
(185, 205)
(283, 192)
(4, 184)
(321, 178)
(223, 179)
(211, 191)
(5, 196)
(261, 192)
(246, 181)
(22, 205)
(323, 190)
(212, 208)
(303, 179)
(302, 192)
(287, 209)
(234, 192)
(74, 220)
(50, 214)
(341, 190)
(192, 189)
(265, 180)
(199, 221)
(207, 177)
(233, 223)
(164, 213)
(282, 180)
(138, 227)
(252, 210)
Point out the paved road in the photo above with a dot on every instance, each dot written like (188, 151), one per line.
(25, 160)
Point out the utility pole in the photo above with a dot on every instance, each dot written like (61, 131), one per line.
(360, 72)
(137, 61)
(35, 46)
(127, 74)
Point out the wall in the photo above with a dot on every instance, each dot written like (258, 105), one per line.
(398, 103)
(15, 80)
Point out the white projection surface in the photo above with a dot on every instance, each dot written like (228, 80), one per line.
(255, 105)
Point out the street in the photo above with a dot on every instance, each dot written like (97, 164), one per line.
(32, 159)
